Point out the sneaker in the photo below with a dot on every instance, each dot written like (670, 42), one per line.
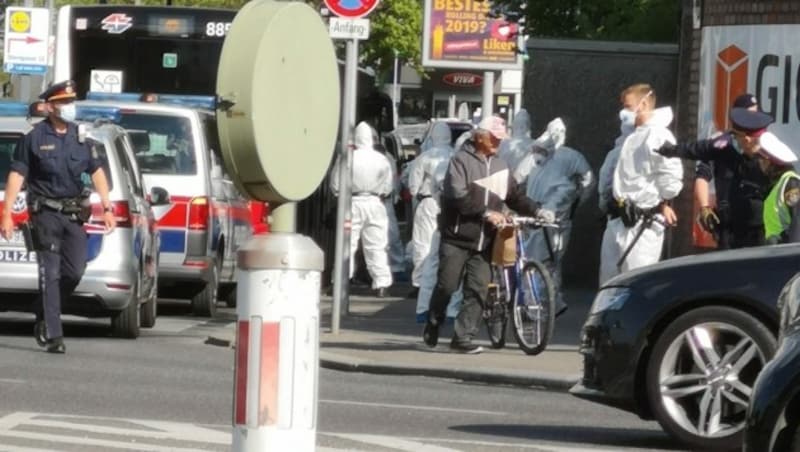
(56, 345)
(431, 334)
(466, 347)
(40, 333)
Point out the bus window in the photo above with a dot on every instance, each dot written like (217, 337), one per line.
(171, 149)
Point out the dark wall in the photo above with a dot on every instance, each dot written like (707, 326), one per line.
(580, 82)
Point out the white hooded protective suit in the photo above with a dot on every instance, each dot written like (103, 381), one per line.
(644, 178)
(396, 251)
(518, 145)
(551, 139)
(372, 180)
(561, 180)
(605, 180)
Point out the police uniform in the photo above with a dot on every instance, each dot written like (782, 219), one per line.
(782, 206)
(739, 183)
(52, 164)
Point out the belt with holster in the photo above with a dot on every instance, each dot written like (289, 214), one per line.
(79, 208)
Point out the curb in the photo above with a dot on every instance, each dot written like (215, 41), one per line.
(549, 381)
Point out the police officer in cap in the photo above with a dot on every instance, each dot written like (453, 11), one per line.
(740, 185)
(51, 158)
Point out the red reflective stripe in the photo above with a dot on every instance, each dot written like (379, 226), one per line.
(240, 390)
(270, 346)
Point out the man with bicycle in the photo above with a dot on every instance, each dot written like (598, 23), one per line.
(476, 186)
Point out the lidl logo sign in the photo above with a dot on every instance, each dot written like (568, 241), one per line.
(20, 22)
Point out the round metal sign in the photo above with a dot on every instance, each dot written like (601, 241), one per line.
(278, 109)
(351, 9)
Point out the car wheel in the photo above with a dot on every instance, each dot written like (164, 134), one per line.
(150, 307)
(204, 304)
(701, 374)
(125, 323)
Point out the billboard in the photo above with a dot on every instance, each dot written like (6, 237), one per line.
(459, 34)
(763, 60)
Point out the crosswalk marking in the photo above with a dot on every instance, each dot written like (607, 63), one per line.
(389, 442)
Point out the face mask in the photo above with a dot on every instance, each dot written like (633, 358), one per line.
(67, 112)
(627, 119)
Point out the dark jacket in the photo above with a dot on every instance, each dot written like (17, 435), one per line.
(466, 199)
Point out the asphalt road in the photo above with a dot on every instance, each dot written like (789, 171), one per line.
(169, 390)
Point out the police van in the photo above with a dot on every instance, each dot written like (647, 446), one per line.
(121, 273)
(177, 147)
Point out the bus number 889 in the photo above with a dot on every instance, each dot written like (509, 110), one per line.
(217, 28)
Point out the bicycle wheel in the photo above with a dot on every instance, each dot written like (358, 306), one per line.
(495, 316)
(534, 314)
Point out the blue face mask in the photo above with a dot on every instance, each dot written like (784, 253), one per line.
(67, 112)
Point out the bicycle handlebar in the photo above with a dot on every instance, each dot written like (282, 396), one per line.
(518, 221)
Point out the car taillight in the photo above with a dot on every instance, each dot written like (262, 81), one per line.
(198, 213)
(120, 209)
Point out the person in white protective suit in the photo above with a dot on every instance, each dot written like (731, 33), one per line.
(561, 181)
(372, 181)
(605, 179)
(515, 148)
(396, 249)
(643, 181)
(425, 180)
(553, 136)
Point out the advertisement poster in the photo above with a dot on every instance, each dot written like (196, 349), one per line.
(459, 34)
(763, 60)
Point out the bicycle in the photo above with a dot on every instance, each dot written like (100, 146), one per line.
(524, 288)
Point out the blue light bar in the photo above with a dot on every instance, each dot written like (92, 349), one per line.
(92, 113)
(13, 109)
(183, 100)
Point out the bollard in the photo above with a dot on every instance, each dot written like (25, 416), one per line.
(277, 344)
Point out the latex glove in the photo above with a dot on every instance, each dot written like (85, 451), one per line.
(708, 219)
(547, 216)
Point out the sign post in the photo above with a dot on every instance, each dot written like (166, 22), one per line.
(350, 26)
(26, 44)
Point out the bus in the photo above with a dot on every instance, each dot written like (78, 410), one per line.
(123, 48)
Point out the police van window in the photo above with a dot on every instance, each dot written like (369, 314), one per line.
(127, 167)
(212, 141)
(171, 148)
(8, 143)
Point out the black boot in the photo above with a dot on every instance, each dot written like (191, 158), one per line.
(40, 333)
(56, 345)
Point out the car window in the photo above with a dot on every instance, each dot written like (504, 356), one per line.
(171, 147)
(99, 150)
(8, 143)
(127, 168)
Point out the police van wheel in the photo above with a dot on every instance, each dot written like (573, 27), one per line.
(125, 323)
(150, 307)
(204, 304)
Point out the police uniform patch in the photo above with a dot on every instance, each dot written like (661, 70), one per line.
(791, 196)
(721, 143)
(47, 147)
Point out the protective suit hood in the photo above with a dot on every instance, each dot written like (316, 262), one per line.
(440, 135)
(552, 138)
(363, 136)
(662, 117)
(521, 127)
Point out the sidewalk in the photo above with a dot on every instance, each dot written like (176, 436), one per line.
(382, 336)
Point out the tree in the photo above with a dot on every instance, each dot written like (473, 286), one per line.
(630, 20)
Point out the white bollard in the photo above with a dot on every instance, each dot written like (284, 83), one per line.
(277, 346)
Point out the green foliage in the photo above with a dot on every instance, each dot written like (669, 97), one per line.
(629, 20)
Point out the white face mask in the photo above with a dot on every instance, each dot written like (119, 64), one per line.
(67, 112)
(627, 120)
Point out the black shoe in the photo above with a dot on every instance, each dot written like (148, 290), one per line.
(56, 345)
(431, 334)
(381, 293)
(466, 347)
(40, 333)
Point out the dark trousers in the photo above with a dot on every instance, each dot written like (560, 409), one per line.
(744, 238)
(473, 267)
(61, 257)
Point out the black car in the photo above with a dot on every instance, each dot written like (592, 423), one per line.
(682, 341)
(773, 420)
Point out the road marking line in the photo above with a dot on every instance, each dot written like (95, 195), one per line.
(12, 380)
(14, 419)
(190, 433)
(60, 439)
(413, 407)
(548, 447)
(393, 442)
(22, 449)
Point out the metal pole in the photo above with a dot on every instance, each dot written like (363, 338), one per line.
(341, 270)
(487, 107)
(395, 101)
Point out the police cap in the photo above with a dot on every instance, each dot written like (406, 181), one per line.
(749, 122)
(59, 91)
(775, 149)
(746, 100)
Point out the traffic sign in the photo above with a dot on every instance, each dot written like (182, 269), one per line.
(351, 9)
(348, 28)
(27, 39)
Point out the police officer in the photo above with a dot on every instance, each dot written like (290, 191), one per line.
(740, 185)
(51, 158)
